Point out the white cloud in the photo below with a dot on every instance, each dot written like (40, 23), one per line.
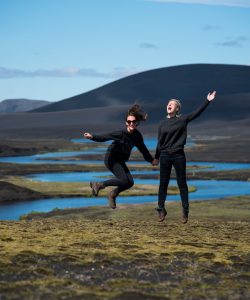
(6, 73)
(210, 27)
(148, 46)
(233, 42)
(239, 3)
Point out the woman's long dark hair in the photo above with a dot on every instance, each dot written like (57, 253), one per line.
(137, 112)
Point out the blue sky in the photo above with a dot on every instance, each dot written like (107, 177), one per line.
(55, 49)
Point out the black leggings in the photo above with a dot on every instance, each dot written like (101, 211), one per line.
(178, 160)
(123, 179)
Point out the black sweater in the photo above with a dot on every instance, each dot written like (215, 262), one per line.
(122, 145)
(172, 132)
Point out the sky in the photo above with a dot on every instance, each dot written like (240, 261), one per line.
(55, 49)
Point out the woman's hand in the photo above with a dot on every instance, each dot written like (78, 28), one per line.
(88, 135)
(155, 162)
(211, 96)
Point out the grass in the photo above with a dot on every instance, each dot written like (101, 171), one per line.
(99, 253)
(82, 189)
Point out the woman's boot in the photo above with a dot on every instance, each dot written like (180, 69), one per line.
(161, 214)
(184, 217)
(96, 187)
(112, 198)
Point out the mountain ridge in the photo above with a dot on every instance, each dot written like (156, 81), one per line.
(228, 114)
(187, 82)
(20, 105)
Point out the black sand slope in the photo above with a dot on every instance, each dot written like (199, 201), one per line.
(10, 193)
(187, 82)
(103, 109)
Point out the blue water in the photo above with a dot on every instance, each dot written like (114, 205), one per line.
(92, 176)
(220, 166)
(207, 190)
(88, 176)
(75, 176)
(38, 159)
(64, 177)
(149, 142)
(48, 158)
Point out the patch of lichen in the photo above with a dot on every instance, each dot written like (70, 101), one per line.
(98, 253)
(82, 189)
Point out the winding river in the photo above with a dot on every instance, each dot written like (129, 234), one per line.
(206, 189)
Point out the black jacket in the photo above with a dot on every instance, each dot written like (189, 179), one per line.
(123, 143)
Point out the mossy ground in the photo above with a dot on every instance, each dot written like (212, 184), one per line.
(99, 253)
(82, 189)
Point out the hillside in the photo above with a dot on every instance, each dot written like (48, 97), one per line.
(20, 105)
(103, 109)
(190, 83)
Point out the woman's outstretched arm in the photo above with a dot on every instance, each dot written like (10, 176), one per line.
(197, 112)
(103, 137)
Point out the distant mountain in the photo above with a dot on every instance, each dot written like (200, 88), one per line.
(190, 83)
(20, 105)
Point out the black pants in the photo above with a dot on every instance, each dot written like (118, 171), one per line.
(178, 161)
(123, 179)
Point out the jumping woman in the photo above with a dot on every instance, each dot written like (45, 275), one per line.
(172, 135)
(119, 152)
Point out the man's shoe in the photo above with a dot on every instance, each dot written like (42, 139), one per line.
(96, 187)
(161, 214)
(112, 198)
(184, 217)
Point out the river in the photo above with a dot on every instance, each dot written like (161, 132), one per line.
(206, 189)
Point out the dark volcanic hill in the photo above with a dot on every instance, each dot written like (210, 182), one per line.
(190, 83)
(103, 109)
(20, 105)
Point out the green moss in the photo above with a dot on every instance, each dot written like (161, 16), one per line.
(82, 189)
(98, 253)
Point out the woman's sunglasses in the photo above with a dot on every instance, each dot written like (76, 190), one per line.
(131, 122)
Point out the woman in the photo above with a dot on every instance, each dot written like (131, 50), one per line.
(172, 134)
(119, 152)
